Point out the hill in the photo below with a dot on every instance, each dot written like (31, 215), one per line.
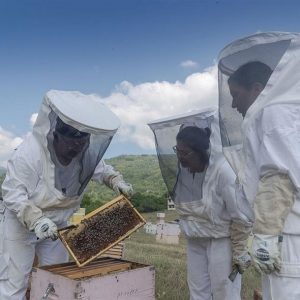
(143, 172)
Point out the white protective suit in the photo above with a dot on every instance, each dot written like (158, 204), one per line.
(264, 150)
(207, 208)
(32, 189)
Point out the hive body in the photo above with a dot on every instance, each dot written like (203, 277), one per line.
(103, 279)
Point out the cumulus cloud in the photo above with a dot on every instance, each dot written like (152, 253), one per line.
(137, 105)
(8, 142)
(188, 64)
(33, 119)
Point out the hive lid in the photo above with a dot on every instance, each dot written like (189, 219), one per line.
(101, 229)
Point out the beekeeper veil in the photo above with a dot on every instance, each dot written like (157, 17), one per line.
(176, 174)
(275, 50)
(74, 131)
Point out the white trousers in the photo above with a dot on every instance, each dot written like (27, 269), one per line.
(286, 284)
(208, 266)
(18, 247)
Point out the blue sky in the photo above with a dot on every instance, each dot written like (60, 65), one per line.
(141, 54)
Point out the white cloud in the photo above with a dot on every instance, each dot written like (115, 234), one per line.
(33, 119)
(8, 142)
(137, 105)
(188, 64)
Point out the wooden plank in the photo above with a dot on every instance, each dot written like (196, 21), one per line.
(97, 272)
(87, 268)
(98, 262)
(74, 267)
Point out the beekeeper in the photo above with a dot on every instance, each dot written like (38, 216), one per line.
(260, 109)
(45, 182)
(201, 183)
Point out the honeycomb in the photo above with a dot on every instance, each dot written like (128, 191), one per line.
(101, 229)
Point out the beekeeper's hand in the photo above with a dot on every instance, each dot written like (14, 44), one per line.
(266, 253)
(44, 228)
(239, 235)
(241, 262)
(122, 187)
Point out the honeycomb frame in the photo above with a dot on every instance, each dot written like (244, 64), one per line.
(96, 234)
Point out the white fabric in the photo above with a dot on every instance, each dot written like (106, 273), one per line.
(83, 112)
(34, 196)
(266, 252)
(209, 264)
(280, 288)
(20, 246)
(72, 108)
(285, 284)
(44, 228)
(239, 235)
(271, 146)
(211, 215)
(207, 209)
(273, 202)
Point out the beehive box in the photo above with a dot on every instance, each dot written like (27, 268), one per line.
(102, 279)
(101, 229)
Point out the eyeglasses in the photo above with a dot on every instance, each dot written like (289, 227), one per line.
(181, 153)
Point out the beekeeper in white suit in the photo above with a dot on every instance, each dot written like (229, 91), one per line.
(45, 181)
(201, 183)
(260, 109)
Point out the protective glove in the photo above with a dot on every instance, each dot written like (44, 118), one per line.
(121, 187)
(239, 265)
(241, 262)
(44, 228)
(266, 253)
(239, 235)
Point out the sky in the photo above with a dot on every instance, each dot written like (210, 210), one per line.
(146, 59)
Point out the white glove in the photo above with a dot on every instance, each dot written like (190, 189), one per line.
(241, 262)
(266, 252)
(121, 187)
(44, 228)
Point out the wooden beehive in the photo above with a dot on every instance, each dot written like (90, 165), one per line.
(101, 229)
(102, 279)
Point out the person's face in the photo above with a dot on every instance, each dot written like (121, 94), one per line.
(188, 158)
(66, 148)
(243, 98)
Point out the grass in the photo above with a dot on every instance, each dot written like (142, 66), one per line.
(170, 263)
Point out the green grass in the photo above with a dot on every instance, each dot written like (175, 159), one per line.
(170, 263)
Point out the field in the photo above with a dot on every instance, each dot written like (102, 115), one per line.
(169, 262)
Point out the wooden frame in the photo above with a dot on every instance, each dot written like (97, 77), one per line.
(76, 229)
